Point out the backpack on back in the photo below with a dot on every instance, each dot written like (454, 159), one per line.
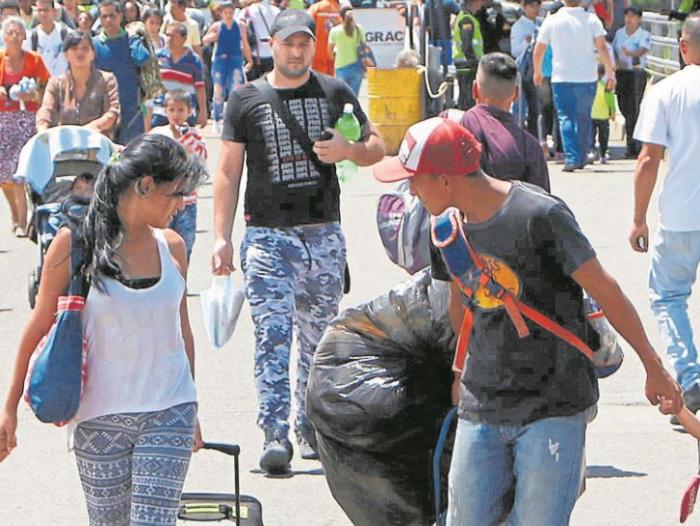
(150, 80)
(34, 37)
(404, 228)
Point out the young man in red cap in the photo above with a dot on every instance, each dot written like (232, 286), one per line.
(518, 453)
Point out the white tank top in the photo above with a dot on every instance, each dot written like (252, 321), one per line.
(136, 354)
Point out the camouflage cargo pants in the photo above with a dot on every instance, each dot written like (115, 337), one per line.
(293, 278)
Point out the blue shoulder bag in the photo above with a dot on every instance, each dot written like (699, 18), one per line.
(55, 380)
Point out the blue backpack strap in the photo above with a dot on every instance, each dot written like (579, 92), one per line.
(447, 236)
(440, 518)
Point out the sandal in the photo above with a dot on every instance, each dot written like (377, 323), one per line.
(18, 231)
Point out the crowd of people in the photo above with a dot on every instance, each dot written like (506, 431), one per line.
(137, 422)
(87, 61)
(556, 97)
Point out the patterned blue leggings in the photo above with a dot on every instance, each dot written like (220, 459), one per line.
(133, 465)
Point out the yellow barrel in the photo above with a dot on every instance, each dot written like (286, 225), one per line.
(394, 102)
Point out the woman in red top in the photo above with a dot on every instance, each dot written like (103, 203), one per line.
(17, 116)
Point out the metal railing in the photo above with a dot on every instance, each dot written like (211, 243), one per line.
(663, 57)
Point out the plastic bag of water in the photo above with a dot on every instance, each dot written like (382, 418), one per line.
(221, 306)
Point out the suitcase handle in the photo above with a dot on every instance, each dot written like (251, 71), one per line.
(230, 450)
(227, 449)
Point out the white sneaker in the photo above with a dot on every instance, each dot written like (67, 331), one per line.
(604, 159)
(217, 127)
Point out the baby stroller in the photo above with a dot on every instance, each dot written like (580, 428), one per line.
(56, 164)
(243, 510)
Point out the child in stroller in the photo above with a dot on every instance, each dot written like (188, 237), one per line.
(61, 199)
(60, 166)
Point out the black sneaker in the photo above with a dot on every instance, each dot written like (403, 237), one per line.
(277, 456)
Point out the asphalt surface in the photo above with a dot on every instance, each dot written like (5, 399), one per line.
(638, 467)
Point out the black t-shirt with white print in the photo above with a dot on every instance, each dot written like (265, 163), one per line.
(285, 188)
(533, 245)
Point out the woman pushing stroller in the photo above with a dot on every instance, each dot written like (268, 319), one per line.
(137, 422)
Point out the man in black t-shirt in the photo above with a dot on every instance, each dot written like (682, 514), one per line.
(522, 401)
(293, 252)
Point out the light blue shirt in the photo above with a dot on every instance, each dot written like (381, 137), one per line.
(640, 39)
(519, 34)
(547, 63)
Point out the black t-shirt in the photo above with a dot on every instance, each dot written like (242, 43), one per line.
(284, 187)
(534, 242)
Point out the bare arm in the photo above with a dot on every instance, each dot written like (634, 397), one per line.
(645, 176)
(53, 283)
(46, 115)
(604, 289)
(202, 103)
(227, 182)
(537, 59)
(212, 34)
(247, 53)
(456, 311)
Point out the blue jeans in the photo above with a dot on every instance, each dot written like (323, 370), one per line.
(185, 224)
(227, 72)
(352, 74)
(445, 45)
(674, 262)
(574, 102)
(522, 475)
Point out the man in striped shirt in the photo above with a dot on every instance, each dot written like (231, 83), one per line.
(181, 68)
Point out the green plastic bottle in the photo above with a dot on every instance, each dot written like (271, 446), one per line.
(349, 127)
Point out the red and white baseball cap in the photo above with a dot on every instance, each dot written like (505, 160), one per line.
(433, 146)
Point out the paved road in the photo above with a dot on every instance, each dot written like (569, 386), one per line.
(637, 466)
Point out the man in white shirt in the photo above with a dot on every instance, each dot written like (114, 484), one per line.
(260, 15)
(47, 38)
(574, 35)
(670, 118)
(631, 45)
(521, 35)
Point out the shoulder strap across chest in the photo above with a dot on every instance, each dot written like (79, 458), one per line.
(468, 269)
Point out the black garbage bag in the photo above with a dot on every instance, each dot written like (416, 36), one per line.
(378, 390)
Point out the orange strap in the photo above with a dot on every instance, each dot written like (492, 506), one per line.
(515, 308)
(556, 329)
(465, 335)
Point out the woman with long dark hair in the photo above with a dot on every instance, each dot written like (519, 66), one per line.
(136, 426)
